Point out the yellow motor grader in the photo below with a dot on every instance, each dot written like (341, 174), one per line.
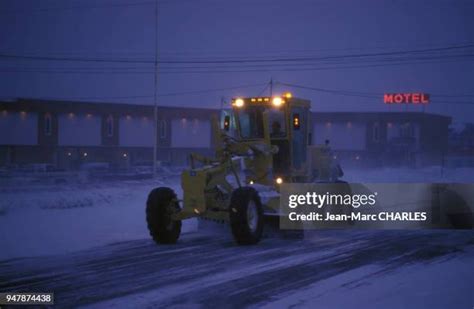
(262, 143)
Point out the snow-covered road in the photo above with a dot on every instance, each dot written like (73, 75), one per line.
(89, 244)
(209, 271)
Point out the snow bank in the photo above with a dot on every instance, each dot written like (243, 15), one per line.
(433, 174)
(43, 220)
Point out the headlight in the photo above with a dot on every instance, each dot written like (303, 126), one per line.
(239, 102)
(279, 180)
(277, 101)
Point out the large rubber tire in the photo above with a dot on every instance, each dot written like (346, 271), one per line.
(159, 206)
(246, 216)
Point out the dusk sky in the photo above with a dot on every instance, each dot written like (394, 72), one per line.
(214, 31)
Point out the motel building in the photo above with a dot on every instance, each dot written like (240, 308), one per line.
(68, 134)
(384, 138)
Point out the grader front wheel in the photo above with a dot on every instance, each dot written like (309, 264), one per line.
(161, 204)
(246, 216)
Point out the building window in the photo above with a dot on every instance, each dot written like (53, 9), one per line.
(48, 124)
(376, 132)
(163, 129)
(195, 127)
(407, 130)
(110, 126)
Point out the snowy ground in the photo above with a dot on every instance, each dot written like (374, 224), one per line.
(442, 283)
(47, 219)
(334, 269)
(93, 238)
(42, 220)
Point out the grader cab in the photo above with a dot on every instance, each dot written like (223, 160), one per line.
(262, 143)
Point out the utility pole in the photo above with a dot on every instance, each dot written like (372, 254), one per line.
(155, 96)
(271, 86)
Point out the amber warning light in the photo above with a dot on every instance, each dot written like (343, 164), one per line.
(406, 98)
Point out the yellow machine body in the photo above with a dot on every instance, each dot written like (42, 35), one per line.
(261, 142)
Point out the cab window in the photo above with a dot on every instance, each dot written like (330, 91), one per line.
(276, 121)
(251, 122)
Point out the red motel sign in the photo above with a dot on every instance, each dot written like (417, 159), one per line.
(406, 98)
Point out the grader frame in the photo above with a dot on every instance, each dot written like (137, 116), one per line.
(262, 143)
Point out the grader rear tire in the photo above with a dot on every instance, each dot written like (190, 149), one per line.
(161, 203)
(246, 216)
